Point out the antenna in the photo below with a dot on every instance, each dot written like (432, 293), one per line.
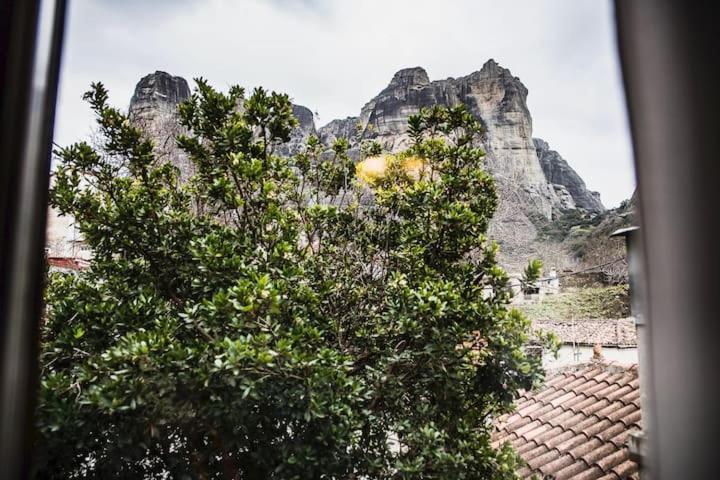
(575, 347)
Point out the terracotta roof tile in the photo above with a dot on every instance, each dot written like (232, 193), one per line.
(525, 446)
(525, 472)
(67, 263)
(572, 443)
(624, 395)
(570, 471)
(536, 432)
(586, 448)
(545, 457)
(631, 419)
(577, 425)
(625, 469)
(599, 453)
(613, 431)
(592, 426)
(613, 460)
(556, 465)
(621, 438)
(588, 332)
(554, 436)
(527, 427)
(592, 473)
(562, 418)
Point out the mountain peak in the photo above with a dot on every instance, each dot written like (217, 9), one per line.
(491, 63)
(491, 68)
(409, 77)
(161, 86)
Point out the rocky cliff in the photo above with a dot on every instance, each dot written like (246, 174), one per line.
(498, 99)
(561, 175)
(341, 128)
(492, 94)
(533, 181)
(153, 107)
(299, 135)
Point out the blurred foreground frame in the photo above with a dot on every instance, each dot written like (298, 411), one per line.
(669, 55)
(31, 33)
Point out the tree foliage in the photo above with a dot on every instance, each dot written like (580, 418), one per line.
(261, 322)
(531, 275)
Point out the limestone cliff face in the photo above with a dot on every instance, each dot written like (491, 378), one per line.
(492, 94)
(495, 97)
(341, 128)
(301, 133)
(159, 89)
(153, 108)
(561, 175)
(498, 99)
(533, 181)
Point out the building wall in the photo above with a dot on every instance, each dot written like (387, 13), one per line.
(565, 356)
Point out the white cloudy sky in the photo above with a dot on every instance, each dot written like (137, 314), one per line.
(334, 55)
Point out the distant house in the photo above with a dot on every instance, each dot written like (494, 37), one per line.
(66, 263)
(617, 337)
(62, 236)
(577, 426)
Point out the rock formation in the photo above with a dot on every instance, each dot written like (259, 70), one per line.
(153, 108)
(299, 135)
(527, 190)
(341, 128)
(533, 181)
(559, 174)
(492, 94)
(498, 99)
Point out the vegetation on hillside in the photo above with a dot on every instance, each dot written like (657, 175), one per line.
(583, 303)
(586, 238)
(260, 323)
(568, 223)
(596, 247)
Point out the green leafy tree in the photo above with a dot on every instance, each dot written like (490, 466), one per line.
(531, 275)
(261, 322)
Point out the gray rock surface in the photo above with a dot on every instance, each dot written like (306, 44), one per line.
(498, 100)
(567, 202)
(559, 172)
(301, 133)
(160, 88)
(494, 96)
(341, 128)
(153, 108)
(533, 181)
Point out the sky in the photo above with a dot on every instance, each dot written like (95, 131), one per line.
(334, 55)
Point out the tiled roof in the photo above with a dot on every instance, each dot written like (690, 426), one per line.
(67, 263)
(577, 425)
(606, 332)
